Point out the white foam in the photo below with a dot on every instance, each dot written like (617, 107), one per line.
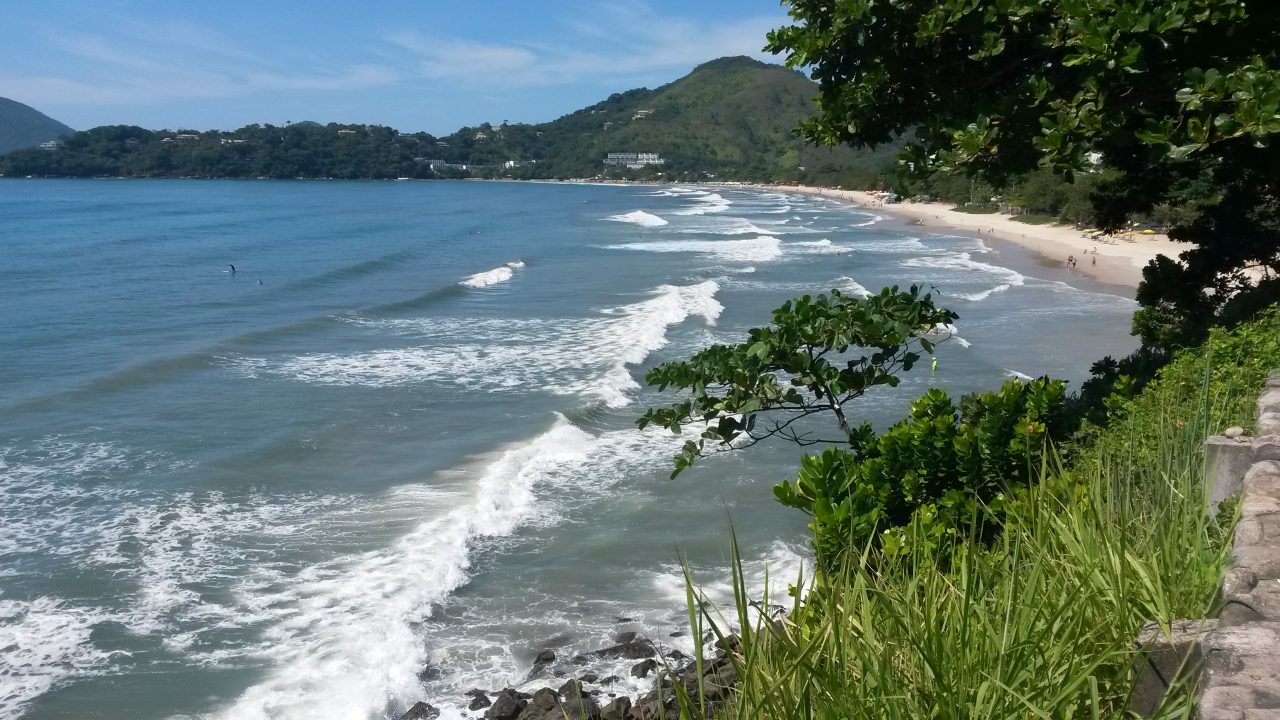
(349, 648)
(728, 226)
(43, 642)
(898, 245)
(758, 249)
(706, 204)
(1017, 375)
(577, 356)
(874, 219)
(963, 268)
(851, 287)
(639, 217)
(946, 332)
(492, 277)
(816, 247)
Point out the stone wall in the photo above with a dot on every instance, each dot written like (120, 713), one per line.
(1240, 677)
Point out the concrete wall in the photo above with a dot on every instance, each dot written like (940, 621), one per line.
(1240, 678)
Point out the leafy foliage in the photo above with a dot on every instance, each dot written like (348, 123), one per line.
(819, 354)
(302, 150)
(942, 470)
(1167, 94)
(1042, 622)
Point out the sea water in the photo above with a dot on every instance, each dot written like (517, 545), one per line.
(392, 456)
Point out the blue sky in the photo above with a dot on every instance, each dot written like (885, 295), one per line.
(427, 65)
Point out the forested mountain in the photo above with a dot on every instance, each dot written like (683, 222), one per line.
(25, 127)
(732, 118)
(729, 119)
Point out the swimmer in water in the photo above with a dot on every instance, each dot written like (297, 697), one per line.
(233, 268)
(259, 281)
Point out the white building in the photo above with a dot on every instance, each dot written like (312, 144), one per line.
(635, 161)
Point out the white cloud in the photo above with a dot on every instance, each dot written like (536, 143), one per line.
(619, 42)
(147, 63)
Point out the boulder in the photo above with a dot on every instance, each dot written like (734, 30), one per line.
(421, 711)
(572, 690)
(479, 699)
(643, 668)
(506, 706)
(546, 657)
(633, 650)
(619, 709)
(624, 637)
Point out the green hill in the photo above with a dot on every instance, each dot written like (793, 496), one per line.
(24, 127)
(730, 119)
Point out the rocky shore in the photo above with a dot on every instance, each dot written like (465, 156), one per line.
(585, 695)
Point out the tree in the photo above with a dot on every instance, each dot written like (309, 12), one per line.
(820, 353)
(935, 477)
(1167, 93)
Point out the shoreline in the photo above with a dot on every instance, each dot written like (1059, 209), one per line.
(1119, 262)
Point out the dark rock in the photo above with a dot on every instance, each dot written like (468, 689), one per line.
(580, 708)
(572, 689)
(590, 678)
(655, 705)
(610, 680)
(625, 620)
(677, 633)
(544, 658)
(717, 684)
(421, 711)
(677, 656)
(634, 650)
(643, 668)
(619, 709)
(479, 700)
(729, 643)
(625, 637)
(506, 706)
(545, 699)
(580, 660)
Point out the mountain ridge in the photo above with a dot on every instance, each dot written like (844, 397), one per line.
(22, 126)
(729, 119)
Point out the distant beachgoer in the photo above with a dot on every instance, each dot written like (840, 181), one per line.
(259, 281)
(1095, 260)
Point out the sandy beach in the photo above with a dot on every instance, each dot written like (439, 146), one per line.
(1118, 262)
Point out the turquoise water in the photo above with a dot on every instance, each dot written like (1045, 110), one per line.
(393, 455)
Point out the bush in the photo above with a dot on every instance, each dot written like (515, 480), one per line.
(940, 467)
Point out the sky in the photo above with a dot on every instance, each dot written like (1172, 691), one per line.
(428, 65)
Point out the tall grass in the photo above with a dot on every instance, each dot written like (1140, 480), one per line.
(1040, 625)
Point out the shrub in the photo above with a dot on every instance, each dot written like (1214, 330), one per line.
(940, 467)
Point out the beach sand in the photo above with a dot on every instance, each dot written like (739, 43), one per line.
(1119, 262)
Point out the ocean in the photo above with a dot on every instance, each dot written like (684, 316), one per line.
(393, 455)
